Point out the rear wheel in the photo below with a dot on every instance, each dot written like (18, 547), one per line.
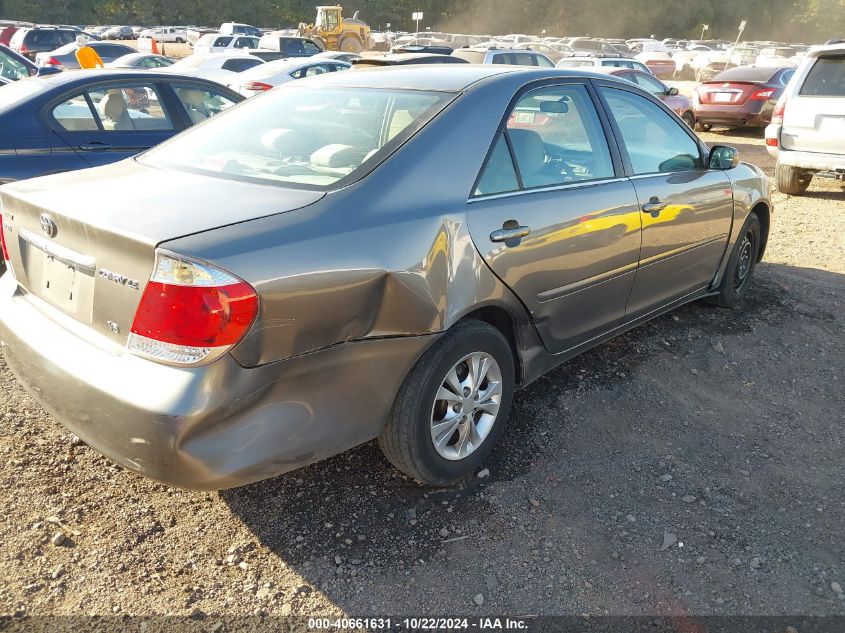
(792, 181)
(350, 44)
(179, 40)
(689, 119)
(740, 270)
(452, 407)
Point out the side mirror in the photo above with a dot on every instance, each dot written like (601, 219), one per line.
(723, 157)
(672, 92)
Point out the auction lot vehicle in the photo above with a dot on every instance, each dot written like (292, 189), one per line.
(744, 96)
(513, 57)
(289, 46)
(40, 39)
(14, 66)
(807, 133)
(78, 119)
(213, 43)
(600, 61)
(325, 293)
(337, 33)
(167, 34)
(264, 77)
(64, 58)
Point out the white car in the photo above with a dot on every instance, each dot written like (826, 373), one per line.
(807, 132)
(776, 57)
(216, 43)
(262, 78)
(602, 62)
(166, 34)
(219, 67)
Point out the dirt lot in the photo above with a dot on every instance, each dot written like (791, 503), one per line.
(694, 465)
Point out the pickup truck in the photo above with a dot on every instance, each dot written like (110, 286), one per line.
(166, 34)
(195, 33)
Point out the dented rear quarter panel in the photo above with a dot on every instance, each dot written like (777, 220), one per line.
(388, 256)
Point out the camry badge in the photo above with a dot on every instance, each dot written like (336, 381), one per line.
(119, 279)
(48, 226)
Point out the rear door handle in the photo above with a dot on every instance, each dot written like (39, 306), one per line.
(505, 235)
(654, 206)
(94, 146)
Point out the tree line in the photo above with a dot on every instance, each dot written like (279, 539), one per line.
(793, 20)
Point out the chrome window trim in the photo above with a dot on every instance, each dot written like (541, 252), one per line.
(550, 188)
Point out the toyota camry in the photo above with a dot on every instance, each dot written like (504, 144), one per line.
(383, 254)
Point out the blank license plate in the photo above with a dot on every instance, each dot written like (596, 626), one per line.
(723, 97)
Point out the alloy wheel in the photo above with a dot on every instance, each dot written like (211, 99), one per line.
(466, 406)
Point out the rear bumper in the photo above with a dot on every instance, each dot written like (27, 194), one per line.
(811, 161)
(756, 115)
(212, 427)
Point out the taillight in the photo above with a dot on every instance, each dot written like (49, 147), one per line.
(3, 238)
(24, 49)
(780, 109)
(191, 313)
(257, 85)
(771, 141)
(762, 95)
(52, 61)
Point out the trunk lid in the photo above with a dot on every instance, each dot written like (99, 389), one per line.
(84, 242)
(728, 93)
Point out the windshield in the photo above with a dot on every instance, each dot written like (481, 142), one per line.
(11, 68)
(304, 137)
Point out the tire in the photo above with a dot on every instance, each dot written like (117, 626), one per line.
(179, 40)
(408, 440)
(740, 269)
(689, 119)
(792, 181)
(350, 44)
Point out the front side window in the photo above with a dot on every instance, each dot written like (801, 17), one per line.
(557, 137)
(239, 64)
(309, 137)
(201, 103)
(655, 142)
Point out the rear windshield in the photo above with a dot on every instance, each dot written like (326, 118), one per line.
(747, 73)
(825, 79)
(473, 57)
(310, 138)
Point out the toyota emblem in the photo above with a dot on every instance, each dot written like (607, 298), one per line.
(48, 226)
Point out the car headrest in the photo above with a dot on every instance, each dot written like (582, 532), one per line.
(114, 106)
(529, 150)
(336, 155)
(192, 97)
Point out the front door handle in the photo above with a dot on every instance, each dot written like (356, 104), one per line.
(505, 235)
(94, 146)
(654, 206)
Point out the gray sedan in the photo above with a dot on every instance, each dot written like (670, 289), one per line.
(380, 254)
(64, 58)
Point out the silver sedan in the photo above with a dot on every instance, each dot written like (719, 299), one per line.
(379, 254)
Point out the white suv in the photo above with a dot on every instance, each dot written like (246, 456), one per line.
(807, 133)
(603, 62)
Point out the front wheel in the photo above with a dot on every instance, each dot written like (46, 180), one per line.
(740, 269)
(351, 44)
(452, 407)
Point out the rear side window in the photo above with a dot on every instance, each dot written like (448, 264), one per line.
(499, 175)
(222, 41)
(43, 39)
(826, 78)
(239, 65)
(75, 115)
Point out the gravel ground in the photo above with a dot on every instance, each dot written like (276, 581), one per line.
(694, 465)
